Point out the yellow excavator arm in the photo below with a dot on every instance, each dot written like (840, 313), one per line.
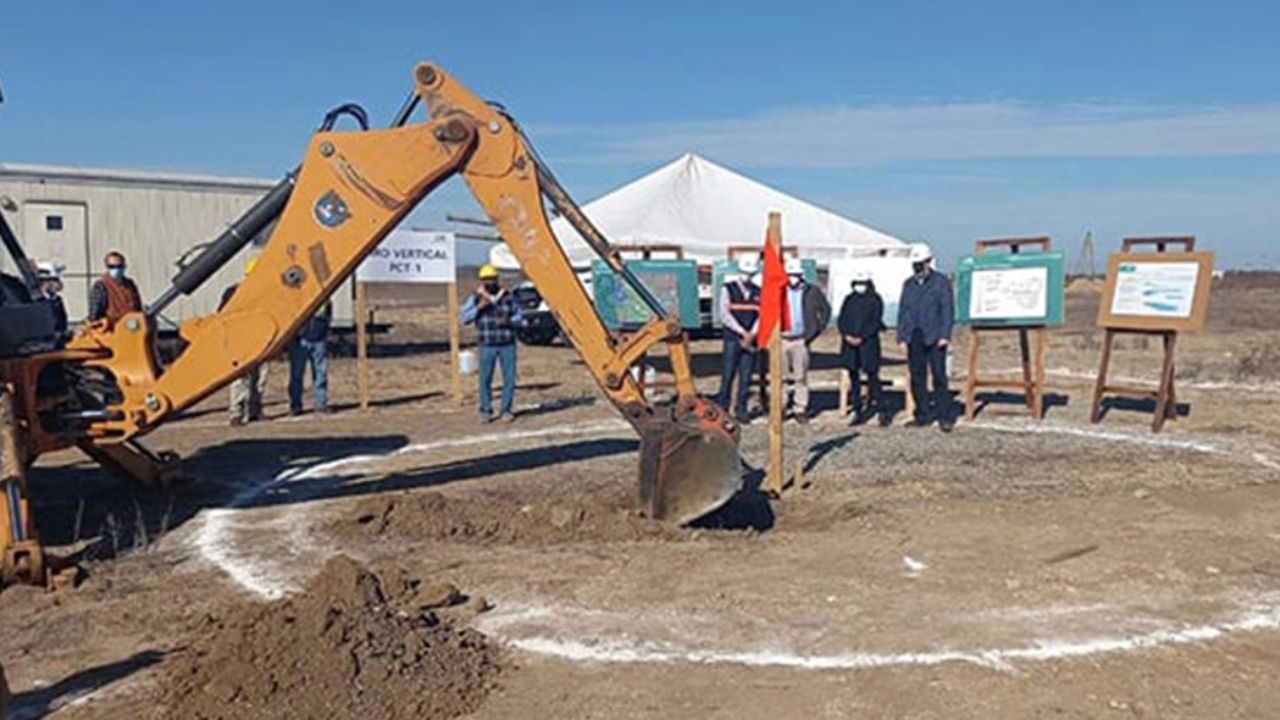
(351, 190)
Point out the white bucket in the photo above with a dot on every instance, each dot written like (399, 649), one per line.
(467, 362)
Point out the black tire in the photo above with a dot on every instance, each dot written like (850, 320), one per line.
(537, 336)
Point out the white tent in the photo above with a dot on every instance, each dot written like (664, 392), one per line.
(705, 208)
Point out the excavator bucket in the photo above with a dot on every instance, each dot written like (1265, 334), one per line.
(689, 463)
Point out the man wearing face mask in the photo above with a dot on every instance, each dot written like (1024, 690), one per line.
(496, 315)
(809, 314)
(925, 316)
(114, 294)
(860, 323)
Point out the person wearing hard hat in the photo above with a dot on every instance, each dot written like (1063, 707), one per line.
(49, 289)
(925, 317)
(860, 322)
(496, 314)
(809, 312)
(740, 321)
(247, 390)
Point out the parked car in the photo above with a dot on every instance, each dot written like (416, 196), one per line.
(540, 326)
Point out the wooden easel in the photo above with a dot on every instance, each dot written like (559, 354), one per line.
(1032, 382)
(1164, 394)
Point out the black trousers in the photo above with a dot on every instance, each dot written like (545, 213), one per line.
(864, 358)
(928, 359)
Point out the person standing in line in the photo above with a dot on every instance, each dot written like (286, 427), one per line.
(860, 322)
(925, 318)
(114, 294)
(248, 390)
(310, 346)
(809, 314)
(740, 320)
(496, 314)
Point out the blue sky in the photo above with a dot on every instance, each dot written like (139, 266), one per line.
(932, 120)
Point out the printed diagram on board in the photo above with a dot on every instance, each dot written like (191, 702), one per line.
(1155, 289)
(1009, 293)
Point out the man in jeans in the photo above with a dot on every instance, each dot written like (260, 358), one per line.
(740, 319)
(310, 346)
(496, 314)
(925, 317)
(809, 314)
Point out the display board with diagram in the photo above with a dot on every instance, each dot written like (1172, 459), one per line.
(1010, 289)
(673, 282)
(1156, 291)
(1002, 287)
(1151, 291)
(720, 269)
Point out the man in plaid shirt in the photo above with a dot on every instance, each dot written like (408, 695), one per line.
(496, 315)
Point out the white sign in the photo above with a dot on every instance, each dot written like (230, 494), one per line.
(1155, 289)
(411, 256)
(1013, 293)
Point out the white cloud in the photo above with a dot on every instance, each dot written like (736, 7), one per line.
(873, 135)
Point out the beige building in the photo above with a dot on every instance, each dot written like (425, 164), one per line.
(73, 216)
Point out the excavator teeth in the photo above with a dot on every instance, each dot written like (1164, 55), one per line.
(689, 465)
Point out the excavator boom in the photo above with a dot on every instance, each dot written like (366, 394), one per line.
(351, 190)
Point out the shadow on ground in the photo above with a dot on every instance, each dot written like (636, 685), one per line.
(46, 700)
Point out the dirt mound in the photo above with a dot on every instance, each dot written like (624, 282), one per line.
(498, 519)
(354, 644)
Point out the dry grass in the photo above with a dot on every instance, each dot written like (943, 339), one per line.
(1260, 362)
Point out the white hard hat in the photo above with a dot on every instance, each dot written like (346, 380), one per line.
(794, 266)
(48, 271)
(860, 275)
(920, 252)
(748, 264)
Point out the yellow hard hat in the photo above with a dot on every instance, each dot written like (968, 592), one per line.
(488, 271)
(249, 264)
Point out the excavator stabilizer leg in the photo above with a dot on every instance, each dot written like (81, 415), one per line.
(21, 557)
(689, 463)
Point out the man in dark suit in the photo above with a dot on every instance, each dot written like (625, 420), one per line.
(925, 316)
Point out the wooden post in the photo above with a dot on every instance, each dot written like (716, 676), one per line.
(1100, 386)
(970, 376)
(1166, 406)
(1042, 343)
(774, 480)
(455, 344)
(362, 349)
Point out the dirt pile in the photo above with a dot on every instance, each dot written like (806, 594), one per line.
(354, 644)
(497, 519)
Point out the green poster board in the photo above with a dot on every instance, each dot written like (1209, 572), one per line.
(720, 268)
(673, 282)
(1010, 289)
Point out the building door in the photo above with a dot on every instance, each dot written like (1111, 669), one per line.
(58, 232)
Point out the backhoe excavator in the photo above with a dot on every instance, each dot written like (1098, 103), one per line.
(105, 388)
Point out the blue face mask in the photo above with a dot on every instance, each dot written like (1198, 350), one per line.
(116, 272)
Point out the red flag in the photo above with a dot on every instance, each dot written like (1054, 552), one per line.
(773, 295)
